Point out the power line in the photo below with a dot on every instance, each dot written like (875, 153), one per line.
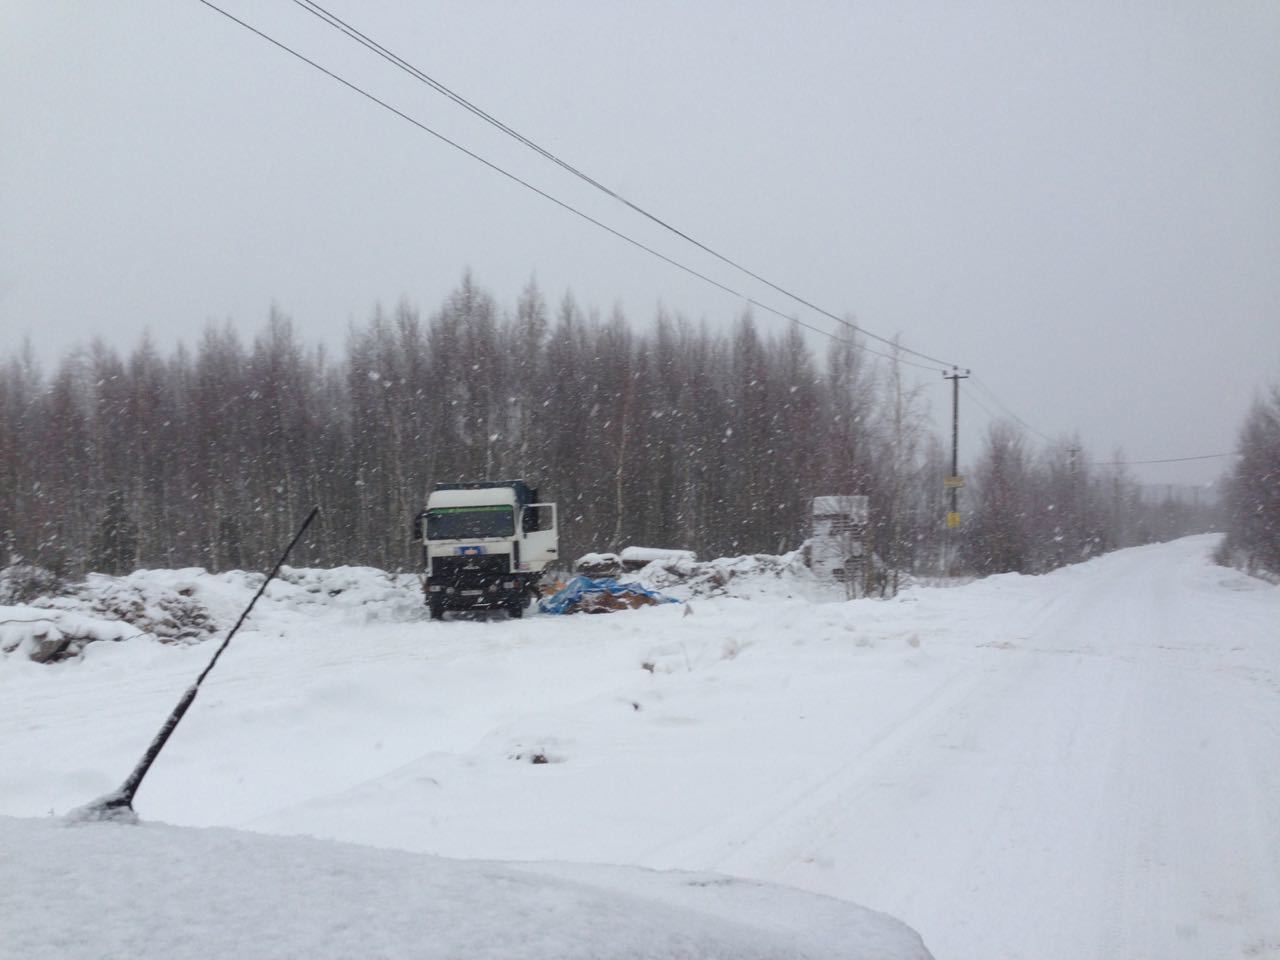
(370, 44)
(1096, 463)
(1115, 463)
(564, 205)
(1133, 463)
(980, 384)
(983, 407)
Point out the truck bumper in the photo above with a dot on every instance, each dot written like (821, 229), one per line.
(505, 591)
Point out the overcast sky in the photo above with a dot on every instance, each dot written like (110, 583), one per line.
(1079, 201)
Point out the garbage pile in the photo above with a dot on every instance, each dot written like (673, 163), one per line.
(585, 594)
(745, 577)
(678, 575)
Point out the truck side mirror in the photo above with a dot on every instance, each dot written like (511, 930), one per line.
(418, 523)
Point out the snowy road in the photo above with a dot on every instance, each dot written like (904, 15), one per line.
(1077, 765)
(1101, 785)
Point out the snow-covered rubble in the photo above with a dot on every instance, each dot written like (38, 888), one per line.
(745, 577)
(46, 636)
(163, 604)
(598, 565)
(372, 593)
(642, 556)
(189, 605)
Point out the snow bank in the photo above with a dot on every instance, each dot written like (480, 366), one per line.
(102, 890)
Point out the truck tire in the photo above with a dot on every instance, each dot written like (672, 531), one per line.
(516, 608)
(437, 609)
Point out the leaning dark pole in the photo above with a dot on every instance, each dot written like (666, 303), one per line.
(118, 805)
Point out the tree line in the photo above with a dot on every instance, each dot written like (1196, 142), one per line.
(1253, 492)
(673, 435)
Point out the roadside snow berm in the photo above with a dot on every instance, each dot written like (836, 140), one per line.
(601, 595)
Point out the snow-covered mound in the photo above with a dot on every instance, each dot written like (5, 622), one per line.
(107, 890)
(189, 605)
(373, 594)
(45, 635)
(163, 603)
(748, 577)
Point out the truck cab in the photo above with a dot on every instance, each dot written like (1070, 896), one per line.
(485, 545)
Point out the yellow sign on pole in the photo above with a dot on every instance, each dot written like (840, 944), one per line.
(953, 520)
(953, 482)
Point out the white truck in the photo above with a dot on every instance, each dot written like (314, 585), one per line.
(485, 545)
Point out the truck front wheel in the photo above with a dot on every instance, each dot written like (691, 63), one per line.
(437, 608)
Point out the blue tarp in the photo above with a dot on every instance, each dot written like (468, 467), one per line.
(581, 591)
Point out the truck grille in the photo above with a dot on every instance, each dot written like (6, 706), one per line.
(461, 569)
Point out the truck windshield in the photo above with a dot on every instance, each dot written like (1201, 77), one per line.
(464, 523)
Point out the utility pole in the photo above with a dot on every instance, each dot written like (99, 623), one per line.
(955, 481)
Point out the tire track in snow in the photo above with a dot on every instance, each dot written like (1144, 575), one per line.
(722, 846)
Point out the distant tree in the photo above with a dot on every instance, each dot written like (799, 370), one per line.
(898, 518)
(229, 543)
(1059, 510)
(524, 424)
(929, 504)
(215, 431)
(1118, 501)
(1253, 490)
(794, 438)
(68, 456)
(747, 439)
(150, 439)
(115, 542)
(998, 537)
(21, 399)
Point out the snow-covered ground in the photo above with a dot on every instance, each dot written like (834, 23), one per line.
(1082, 764)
